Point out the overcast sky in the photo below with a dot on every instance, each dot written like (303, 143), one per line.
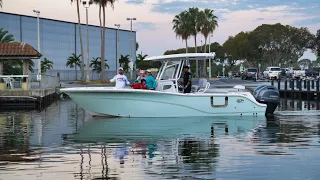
(154, 17)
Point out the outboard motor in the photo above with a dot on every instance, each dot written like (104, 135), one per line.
(268, 95)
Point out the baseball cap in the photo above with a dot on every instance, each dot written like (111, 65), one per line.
(148, 70)
(120, 68)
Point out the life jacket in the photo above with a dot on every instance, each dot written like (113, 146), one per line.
(139, 86)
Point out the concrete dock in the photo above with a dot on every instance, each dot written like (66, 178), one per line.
(29, 95)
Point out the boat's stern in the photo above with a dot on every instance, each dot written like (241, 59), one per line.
(268, 95)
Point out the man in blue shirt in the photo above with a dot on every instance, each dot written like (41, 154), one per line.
(151, 81)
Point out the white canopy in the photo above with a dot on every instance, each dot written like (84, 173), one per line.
(178, 57)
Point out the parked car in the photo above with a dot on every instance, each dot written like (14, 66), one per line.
(298, 73)
(285, 72)
(272, 73)
(236, 73)
(249, 73)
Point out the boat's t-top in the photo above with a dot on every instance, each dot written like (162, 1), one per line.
(172, 68)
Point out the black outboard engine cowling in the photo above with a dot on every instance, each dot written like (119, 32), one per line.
(268, 95)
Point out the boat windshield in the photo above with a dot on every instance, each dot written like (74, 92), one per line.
(170, 70)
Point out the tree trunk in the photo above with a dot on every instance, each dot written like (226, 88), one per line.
(205, 61)
(100, 21)
(75, 68)
(103, 44)
(196, 50)
(186, 45)
(81, 46)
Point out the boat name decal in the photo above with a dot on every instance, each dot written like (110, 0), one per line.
(240, 100)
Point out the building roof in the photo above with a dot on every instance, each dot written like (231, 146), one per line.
(18, 50)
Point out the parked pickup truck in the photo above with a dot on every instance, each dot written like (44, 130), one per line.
(298, 73)
(272, 73)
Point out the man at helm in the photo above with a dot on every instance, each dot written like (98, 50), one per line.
(187, 80)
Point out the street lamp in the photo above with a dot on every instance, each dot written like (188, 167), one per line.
(210, 58)
(39, 62)
(131, 19)
(86, 4)
(118, 49)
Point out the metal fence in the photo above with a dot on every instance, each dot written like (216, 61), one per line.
(47, 81)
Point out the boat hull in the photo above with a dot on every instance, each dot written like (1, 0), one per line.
(147, 103)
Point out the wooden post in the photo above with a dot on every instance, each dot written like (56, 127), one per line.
(318, 87)
(272, 82)
(279, 84)
(285, 88)
(305, 84)
(300, 89)
(292, 88)
(308, 91)
(312, 84)
(297, 83)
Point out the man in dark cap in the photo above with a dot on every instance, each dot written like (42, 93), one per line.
(186, 80)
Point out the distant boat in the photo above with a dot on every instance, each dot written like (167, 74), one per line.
(168, 100)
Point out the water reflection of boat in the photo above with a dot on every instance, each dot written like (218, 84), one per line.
(124, 129)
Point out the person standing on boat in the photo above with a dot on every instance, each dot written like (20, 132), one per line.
(187, 80)
(120, 79)
(151, 81)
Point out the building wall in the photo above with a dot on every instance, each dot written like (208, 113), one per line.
(59, 39)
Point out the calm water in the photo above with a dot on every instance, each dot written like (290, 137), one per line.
(63, 142)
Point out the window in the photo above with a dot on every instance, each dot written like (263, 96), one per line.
(168, 72)
(275, 69)
(252, 70)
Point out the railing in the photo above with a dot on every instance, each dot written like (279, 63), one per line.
(13, 81)
(26, 82)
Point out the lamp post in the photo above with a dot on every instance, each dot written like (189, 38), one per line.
(131, 19)
(39, 62)
(87, 4)
(210, 58)
(118, 48)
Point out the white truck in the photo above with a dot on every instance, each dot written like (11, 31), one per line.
(297, 72)
(272, 73)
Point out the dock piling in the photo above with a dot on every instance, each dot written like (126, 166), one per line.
(285, 88)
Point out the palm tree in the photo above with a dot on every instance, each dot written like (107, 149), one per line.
(80, 36)
(182, 26)
(4, 36)
(124, 62)
(46, 64)
(73, 62)
(195, 28)
(95, 64)
(140, 63)
(208, 25)
(103, 5)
